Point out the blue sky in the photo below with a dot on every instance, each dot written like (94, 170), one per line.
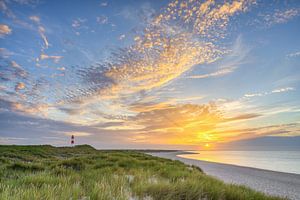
(149, 74)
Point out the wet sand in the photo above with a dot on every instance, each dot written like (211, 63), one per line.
(269, 182)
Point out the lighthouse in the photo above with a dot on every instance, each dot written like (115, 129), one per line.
(72, 140)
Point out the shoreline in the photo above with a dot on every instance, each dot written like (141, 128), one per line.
(270, 182)
(179, 155)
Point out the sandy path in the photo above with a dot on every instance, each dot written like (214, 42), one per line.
(270, 182)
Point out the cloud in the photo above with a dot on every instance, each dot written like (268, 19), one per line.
(279, 90)
(72, 111)
(280, 16)
(56, 59)
(4, 53)
(19, 86)
(248, 133)
(220, 72)
(77, 23)
(102, 19)
(296, 54)
(8, 140)
(42, 31)
(4, 30)
(37, 130)
(103, 4)
(11, 71)
(244, 116)
(140, 15)
(283, 90)
(229, 63)
(122, 37)
(263, 143)
(22, 108)
(172, 44)
(188, 99)
(180, 123)
(112, 98)
(254, 95)
(18, 71)
(14, 64)
(20, 125)
(78, 134)
(149, 106)
(7, 12)
(35, 18)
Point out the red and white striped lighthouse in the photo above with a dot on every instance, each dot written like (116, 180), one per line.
(72, 140)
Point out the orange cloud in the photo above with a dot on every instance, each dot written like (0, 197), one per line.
(20, 86)
(4, 30)
(182, 36)
(78, 134)
(56, 59)
(182, 123)
(37, 109)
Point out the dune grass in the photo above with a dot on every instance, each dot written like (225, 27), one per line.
(81, 172)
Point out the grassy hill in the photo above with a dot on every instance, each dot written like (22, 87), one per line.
(82, 172)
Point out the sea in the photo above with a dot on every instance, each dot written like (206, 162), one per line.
(281, 161)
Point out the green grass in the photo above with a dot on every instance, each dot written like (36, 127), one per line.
(81, 172)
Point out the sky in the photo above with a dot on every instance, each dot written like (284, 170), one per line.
(150, 74)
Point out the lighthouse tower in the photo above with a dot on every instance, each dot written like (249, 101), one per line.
(72, 140)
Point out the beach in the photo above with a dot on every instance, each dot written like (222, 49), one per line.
(270, 182)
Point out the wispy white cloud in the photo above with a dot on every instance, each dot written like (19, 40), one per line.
(78, 23)
(295, 54)
(35, 18)
(254, 95)
(279, 90)
(104, 4)
(122, 37)
(8, 13)
(220, 72)
(102, 19)
(283, 90)
(41, 30)
(280, 16)
(229, 63)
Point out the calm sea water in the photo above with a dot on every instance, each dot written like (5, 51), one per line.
(282, 161)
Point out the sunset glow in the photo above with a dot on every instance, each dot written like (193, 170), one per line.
(149, 74)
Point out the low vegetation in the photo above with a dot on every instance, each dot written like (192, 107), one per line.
(81, 172)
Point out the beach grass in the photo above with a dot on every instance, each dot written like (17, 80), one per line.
(82, 172)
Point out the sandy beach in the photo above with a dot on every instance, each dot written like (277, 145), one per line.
(270, 182)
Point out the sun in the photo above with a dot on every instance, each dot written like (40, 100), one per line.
(207, 145)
